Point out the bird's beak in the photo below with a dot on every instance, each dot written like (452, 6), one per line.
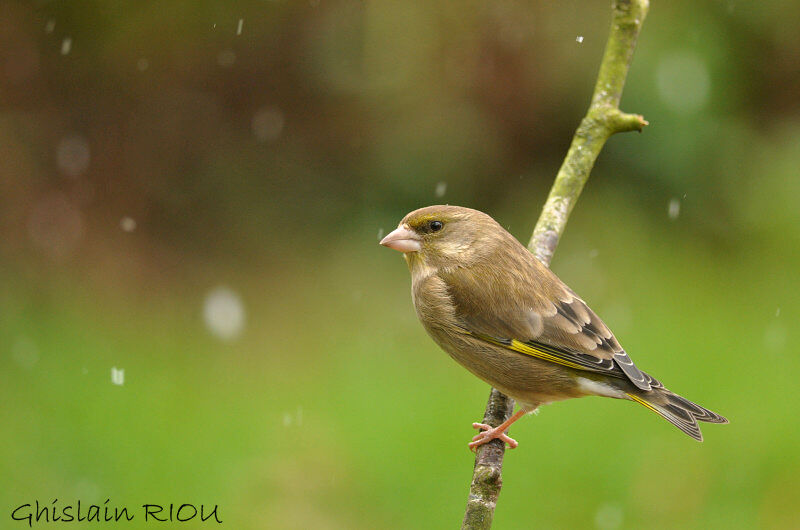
(403, 239)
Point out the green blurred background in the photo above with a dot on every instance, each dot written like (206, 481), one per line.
(193, 192)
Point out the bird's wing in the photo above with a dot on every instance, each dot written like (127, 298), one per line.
(588, 339)
(555, 325)
(571, 359)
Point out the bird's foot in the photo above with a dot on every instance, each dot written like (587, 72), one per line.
(489, 433)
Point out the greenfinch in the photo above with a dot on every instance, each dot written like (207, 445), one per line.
(504, 316)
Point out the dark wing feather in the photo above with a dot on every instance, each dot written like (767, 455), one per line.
(544, 317)
(571, 359)
(598, 339)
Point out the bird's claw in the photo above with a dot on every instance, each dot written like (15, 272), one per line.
(489, 433)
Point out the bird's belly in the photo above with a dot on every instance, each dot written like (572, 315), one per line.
(530, 381)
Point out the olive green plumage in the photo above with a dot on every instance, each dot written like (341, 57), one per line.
(509, 320)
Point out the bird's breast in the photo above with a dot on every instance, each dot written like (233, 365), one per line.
(527, 379)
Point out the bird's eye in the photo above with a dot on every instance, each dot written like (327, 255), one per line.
(435, 226)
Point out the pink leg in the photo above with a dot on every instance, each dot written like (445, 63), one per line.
(488, 433)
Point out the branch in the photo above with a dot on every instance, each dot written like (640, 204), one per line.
(602, 120)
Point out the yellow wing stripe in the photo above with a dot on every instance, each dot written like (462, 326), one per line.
(576, 360)
(639, 400)
(527, 349)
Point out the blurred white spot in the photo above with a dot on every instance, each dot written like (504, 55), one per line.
(778, 312)
(55, 226)
(441, 189)
(66, 45)
(579, 38)
(618, 316)
(128, 224)
(511, 30)
(267, 124)
(84, 370)
(213, 26)
(50, 26)
(683, 81)
(594, 253)
(142, 64)
(239, 27)
(775, 336)
(117, 376)
(226, 58)
(608, 517)
(380, 234)
(674, 209)
(86, 489)
(297, 418)
(72, 155)
(224, 313)
(25, 353)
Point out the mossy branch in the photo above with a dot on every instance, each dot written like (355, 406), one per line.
(602, 120)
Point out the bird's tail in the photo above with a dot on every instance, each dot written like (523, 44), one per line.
(677, 410)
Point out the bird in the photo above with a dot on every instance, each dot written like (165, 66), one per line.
(507, 318)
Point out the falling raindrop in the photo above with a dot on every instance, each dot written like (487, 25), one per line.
(674, 209)
(380, 234)
(73, 155)
(50, 26)
(775, 336)
(778, 312)
(224, 314)
(239, 27)
(608, 517)
(86, 489)
(620, 314)
(297, 418)
(441, 189)
(128, 224)
(117, 376)
(683, 81)
(25, 353)
(594, 253)
(267, 124)
(66, 45)
(226, 58)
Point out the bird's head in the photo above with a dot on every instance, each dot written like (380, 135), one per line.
(444, 236)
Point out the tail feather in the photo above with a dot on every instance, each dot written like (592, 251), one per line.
(702, 414)
(677, 410)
